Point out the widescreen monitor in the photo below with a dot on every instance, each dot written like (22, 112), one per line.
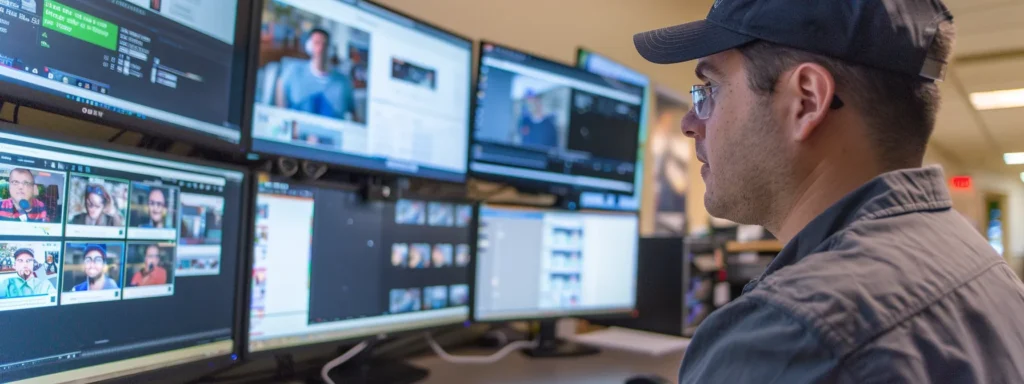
(171, 68)
(604, 66)
(539, 123)
(350, 83)
(540, 263)
(113, 263)
(329, 266)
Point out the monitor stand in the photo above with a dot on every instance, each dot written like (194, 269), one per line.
(548, 345)
(366, 369)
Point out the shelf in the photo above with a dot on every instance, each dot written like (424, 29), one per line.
(754, 246)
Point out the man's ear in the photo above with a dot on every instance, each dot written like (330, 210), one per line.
(808, 89)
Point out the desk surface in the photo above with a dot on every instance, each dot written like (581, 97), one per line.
(610, 366)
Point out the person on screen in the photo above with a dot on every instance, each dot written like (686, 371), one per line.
(51, 264)
(96, 271)
(23, 204)
(156, 207)
(97, 203)
(26, 283)
(316, 87)
(151, 273)
(536, 127)
(437, 257)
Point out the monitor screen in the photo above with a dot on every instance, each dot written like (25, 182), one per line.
(329, 266)
(537, 263)
(113, 263)
(604, 66)
(540, 123)
(172, 67)
(350, 83)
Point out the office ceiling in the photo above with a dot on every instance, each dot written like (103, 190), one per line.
(989, 55)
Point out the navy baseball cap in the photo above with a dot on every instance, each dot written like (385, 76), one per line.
(892, 35)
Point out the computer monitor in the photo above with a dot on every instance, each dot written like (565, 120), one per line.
(544, 264)
(329, 266)
(114, 263)
(538, 124)
(354, 84)
(604, 66)
(169, 68)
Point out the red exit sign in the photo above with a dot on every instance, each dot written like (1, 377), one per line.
(961, 182)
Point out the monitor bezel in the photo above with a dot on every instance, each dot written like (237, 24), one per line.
(252, 66)
(48, 102)
(554, 315)
(527, 184)
(248, 355)
(198, 368)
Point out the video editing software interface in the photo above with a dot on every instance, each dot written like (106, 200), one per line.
(330, 266)
(171, 61)
(537, 263)
(350, 83)
(546, 122)
(106, 256)
(603, 66)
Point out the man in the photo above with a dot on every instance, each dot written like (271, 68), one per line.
(537, 127)
(156, 207)
(26, 283)
(813, 121)
(315, 86)
(23, 204)
(151, 273)
(95, 262)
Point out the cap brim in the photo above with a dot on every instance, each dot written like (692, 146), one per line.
(687, 42)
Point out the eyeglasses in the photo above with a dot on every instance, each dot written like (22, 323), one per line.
(704, 101)
(24, 261)
(89, 204)
(158, 204)
(19, 183)
(95, 260)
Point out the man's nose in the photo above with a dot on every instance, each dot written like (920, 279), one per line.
(693, 126)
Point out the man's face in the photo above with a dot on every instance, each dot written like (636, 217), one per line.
(152, 257)
(437, 257)
(24, 264)
(317, 45)
(157, 205)
(94, 264)
(740, 143)
(536, 105)
(23, 186)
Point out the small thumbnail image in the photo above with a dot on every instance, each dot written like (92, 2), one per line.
(150, 264)
(29, 273)
(154, 206)
(92, 272)
(462, 255)
(458, 295)
(184, 264)
(259, 287)
(202, 219)
(262, 233)
(463, 215)
(419, 256)
(411, 212)
(435, 297)
(31, 195)
(567, 237)
(263, 211)
(441, 214)
(413, 73)
(399, 255)
(441, 255)
(405, 300)
(97, 207)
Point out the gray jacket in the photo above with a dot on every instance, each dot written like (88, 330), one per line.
(889, 285)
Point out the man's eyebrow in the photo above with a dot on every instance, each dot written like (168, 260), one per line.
(705, 68)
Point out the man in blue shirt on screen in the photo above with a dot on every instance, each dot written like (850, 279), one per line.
(95, 262)
(25, 283)
(316, 86)
(537, 128)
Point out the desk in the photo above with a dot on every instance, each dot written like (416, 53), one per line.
(610, 366)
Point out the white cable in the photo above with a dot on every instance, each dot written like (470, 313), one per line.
(341, 360)
(497, 356)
